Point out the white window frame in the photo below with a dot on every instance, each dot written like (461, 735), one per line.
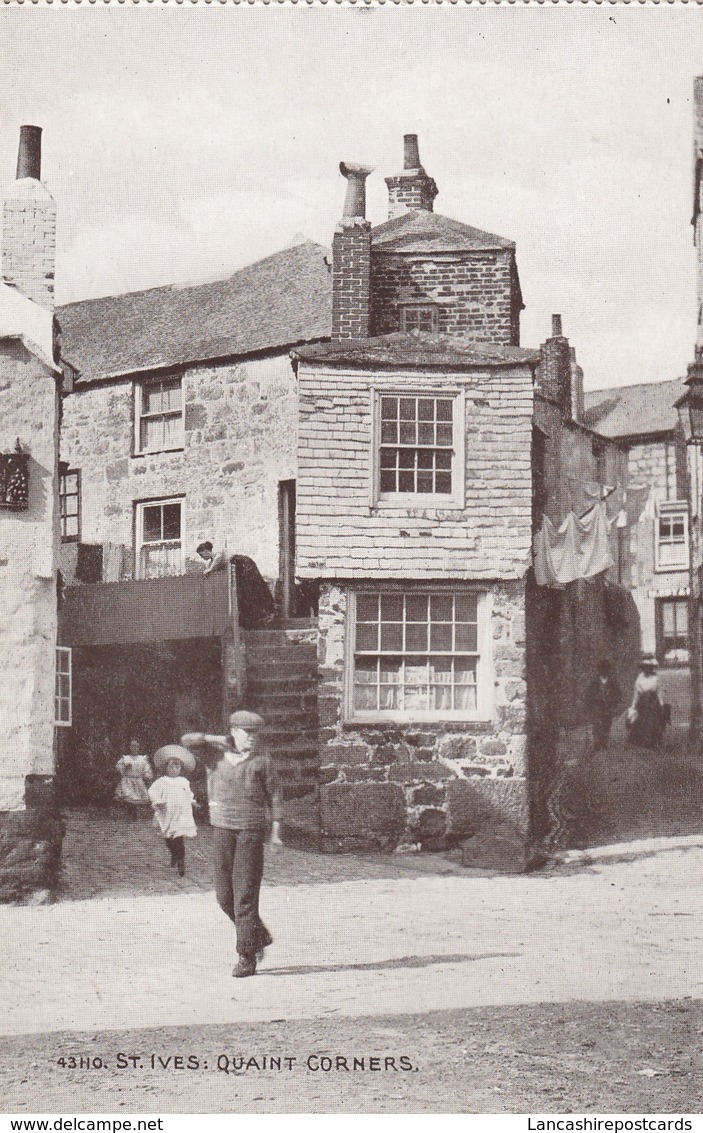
(140, 387)
(485, 678)
(410, 501)
(668, 510)
(63, 702)
(139, 542)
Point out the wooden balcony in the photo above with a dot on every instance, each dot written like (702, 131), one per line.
(149, 610)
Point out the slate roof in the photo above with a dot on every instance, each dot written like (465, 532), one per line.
(634, 411)
(277, 302)
(416, 349)
(422, 231)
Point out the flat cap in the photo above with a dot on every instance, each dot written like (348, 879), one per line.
(248, 720)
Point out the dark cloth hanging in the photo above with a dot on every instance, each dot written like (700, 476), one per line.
(89, 562)
(254, 598)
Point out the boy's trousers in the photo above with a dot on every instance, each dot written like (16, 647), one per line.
(238, 860)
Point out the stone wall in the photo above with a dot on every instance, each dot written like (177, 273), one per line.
(420, 785)
(240, 441)
(30, 834)
(345, 532)
(28, 411)
(477, 294)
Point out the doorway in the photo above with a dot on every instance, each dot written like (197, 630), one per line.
(286, 546)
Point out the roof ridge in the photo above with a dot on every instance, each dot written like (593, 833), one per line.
(633, 385)
(180, 287)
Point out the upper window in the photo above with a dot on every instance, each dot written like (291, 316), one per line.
(418, 449)
(417, 655)
(159, 415)
(70, 504)
(418, 317)
(63, 691)
(671, 550)
(159, 550)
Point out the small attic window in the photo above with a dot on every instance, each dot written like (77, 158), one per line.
(419, 316)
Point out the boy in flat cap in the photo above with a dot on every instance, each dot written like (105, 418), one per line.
(243, 795)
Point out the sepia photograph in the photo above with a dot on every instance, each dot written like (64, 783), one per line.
(351, 561)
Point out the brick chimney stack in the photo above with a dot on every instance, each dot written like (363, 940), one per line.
(29, 226)
(557, 371)
(351, 260)
(411, 189)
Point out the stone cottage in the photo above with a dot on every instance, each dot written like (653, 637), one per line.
(388, 484)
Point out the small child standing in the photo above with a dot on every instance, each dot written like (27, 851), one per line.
(173, 801)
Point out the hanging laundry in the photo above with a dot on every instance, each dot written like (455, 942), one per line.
(579, 548)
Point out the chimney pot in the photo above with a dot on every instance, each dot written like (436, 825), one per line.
(29, 153)
(355, 200)
(411, 152)
(556, 326)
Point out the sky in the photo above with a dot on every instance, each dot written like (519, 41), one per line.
(181, 144)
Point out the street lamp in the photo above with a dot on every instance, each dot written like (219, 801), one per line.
(690, 410)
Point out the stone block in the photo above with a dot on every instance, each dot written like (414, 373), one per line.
(117, 470)
(456, 747)
(431, 824)
(356, 810)
(359, 774)
(473, 804)
(347, 753)
(417, 772)
(498, 847)
(428, 795)
(493, 747)
(195, 416)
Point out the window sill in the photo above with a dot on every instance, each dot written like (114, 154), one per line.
(415, 718)
(414, 501)
(157, 451)
(683, 569)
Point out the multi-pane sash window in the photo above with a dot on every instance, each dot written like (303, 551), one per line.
(416, 653)
(418, 318)
(69, 505)
(159, 532)
(672, 540)
(63, 688)
(673, 635)
(160, 415)
(417, 445)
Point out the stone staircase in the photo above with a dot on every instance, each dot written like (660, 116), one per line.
(281, 683)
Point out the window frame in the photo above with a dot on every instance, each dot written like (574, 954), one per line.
(139, 542)
(669, 510)
(420, 500)
(63, 652)
(64, 471)
(661, 637)
(141, 386)
(425, 308)
(485, 693)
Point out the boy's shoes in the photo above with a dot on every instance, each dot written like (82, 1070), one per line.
(244, 967)
(265, 939)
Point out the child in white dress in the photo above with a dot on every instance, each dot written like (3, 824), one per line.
(173, 802)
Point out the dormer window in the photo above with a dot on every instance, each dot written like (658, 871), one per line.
(419, 316)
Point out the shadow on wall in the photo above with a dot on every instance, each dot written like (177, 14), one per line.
(569, 632)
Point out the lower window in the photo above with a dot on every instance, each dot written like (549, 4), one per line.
(416, 655)
(672, 631)
(160, 538)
